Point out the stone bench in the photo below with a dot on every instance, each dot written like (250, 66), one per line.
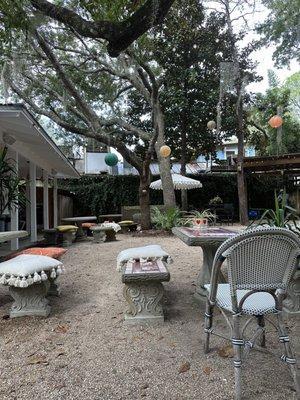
(105, 232)
(144, 290)
(51, 236)
(28, 277)
(128, 226)
(68, 233)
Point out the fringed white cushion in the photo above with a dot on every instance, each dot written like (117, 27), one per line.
(152, 252)
(27, 269)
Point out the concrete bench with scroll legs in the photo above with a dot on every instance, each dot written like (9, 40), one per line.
(144, 290)
(28, 277)
(54, 252)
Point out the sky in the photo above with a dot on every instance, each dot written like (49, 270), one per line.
(263, 57)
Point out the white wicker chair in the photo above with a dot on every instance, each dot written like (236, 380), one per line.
(260, 265)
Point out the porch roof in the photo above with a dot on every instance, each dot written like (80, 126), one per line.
(26, 136)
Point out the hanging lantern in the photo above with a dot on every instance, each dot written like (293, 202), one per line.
(165, 151)
(111, 159)
(211, 125)
(275, 121)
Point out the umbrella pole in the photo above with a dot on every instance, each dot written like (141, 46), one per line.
(184, 200)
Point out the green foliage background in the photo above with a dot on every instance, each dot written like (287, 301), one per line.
(106, 194)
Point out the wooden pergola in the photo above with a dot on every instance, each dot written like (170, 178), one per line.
(286, 164)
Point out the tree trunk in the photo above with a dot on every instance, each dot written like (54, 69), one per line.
(144, 199)
(164, 163)
(184, 197)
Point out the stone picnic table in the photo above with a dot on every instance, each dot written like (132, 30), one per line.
(79, 221)
(209, 240)
(9, 235)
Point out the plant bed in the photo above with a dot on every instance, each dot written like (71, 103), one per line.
(152, 232)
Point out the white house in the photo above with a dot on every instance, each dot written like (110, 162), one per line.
(37, 158)
(229, 148)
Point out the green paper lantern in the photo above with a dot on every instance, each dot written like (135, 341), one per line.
(111, 159)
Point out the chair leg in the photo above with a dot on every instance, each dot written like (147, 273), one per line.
(208, 324)
(261, 324)
(289, 356)
(238, 343)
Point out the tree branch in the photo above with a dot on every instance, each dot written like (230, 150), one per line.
(118, 34)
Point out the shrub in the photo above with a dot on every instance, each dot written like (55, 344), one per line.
(166, 220)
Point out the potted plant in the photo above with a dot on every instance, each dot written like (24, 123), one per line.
(11, 191)
(201, 218)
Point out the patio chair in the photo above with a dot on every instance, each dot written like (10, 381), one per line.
(260, 263)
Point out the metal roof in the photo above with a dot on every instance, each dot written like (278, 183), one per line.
(32, 141)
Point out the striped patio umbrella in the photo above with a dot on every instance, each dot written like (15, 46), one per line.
(180, 182)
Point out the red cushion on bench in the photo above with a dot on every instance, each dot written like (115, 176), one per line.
(54, 252)
(88, 224)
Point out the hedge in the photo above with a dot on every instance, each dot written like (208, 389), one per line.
(105, 194)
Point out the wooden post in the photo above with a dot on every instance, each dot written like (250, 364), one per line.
(55, 203)
(45, 200)
(14, 215)
(32, 190)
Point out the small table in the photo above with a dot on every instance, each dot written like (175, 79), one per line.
(78, 221)
(110, 217)
(209, 240)
(144, 291)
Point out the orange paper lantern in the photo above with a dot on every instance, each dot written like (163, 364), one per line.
(165, 151)
(275, 121)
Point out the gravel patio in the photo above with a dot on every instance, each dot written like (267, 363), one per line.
(83, 350)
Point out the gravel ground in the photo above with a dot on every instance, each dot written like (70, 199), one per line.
(83, 350)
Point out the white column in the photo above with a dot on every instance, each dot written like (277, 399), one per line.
(14, 215)
(45, 200)
(33, 219)
(55, 203)
(28, 207)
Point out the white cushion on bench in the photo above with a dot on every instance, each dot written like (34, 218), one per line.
(30, 268)
(152, 252)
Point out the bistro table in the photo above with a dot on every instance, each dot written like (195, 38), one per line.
(78, 221)
(209, 240)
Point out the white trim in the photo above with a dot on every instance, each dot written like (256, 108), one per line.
(14, 215)
(33, 219)
(45, 200)
(55, 204)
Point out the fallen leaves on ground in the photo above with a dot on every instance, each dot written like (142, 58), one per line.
(207, 370)
(226, 351)
(37, 359)
(61, 329)
(184, 367)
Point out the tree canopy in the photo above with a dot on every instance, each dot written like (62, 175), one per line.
(120, 22)
(282, 28)
(262, 136)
